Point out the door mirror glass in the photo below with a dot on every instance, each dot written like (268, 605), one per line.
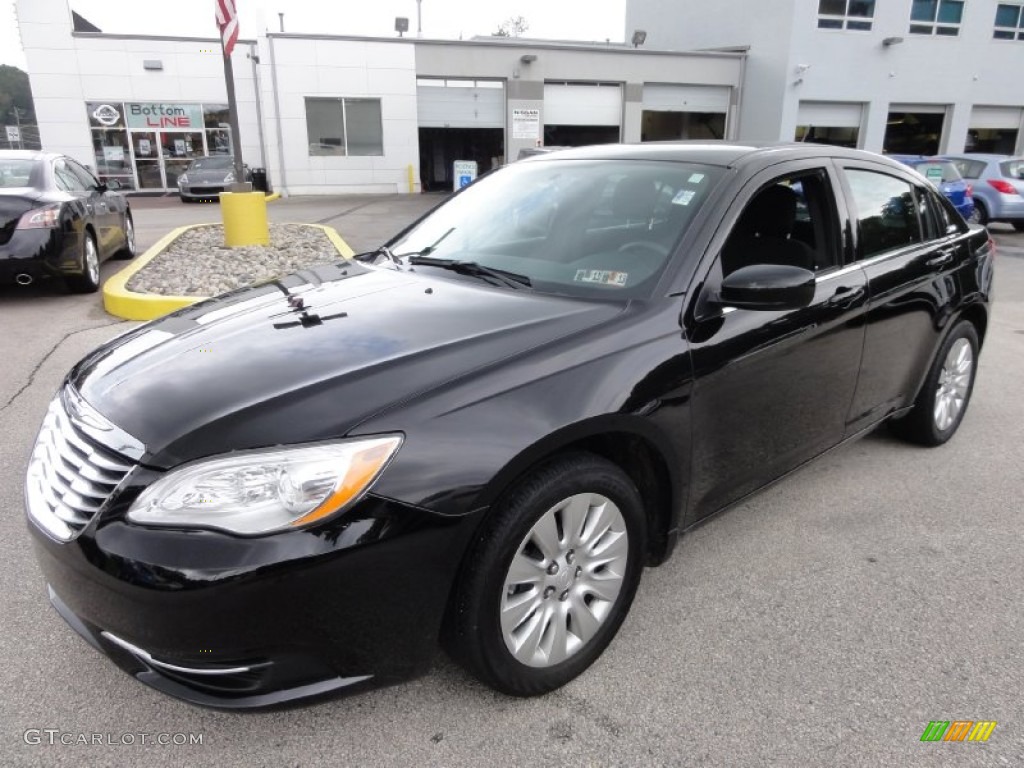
(768, 287)
(112, 184)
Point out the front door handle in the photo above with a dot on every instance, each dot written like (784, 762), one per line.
(943, 257)
(846, 296)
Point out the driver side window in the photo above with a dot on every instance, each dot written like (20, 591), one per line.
(791, 220)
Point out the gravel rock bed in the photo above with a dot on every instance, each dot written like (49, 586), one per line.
(199, 264)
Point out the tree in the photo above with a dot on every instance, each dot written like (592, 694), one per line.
(15, 91)
(513, 26)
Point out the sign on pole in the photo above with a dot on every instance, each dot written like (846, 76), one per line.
(526, 124)
(465, 172)
(13, 134)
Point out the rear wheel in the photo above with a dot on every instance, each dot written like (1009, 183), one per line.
(549, 582)
(943, 399)
(89, 280)
(980, 213)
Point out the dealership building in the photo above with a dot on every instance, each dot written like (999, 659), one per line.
(910, 76)
(337, 114)
(334, 114)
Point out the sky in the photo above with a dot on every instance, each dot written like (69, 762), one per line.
(562, 19)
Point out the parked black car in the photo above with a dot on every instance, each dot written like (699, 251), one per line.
(482, 432)
(57, 219)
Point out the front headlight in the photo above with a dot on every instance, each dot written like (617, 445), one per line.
(261, 491)
(183, 180)
(230, 178)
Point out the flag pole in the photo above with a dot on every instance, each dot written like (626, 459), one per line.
(236, 139)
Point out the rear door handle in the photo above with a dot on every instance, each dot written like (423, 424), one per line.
(944, 257)
(846, 295)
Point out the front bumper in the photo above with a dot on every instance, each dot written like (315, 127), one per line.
(201, 191)
(235, 622)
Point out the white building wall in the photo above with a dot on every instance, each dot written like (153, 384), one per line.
(846, 66)
(331, 67)
(66, 70)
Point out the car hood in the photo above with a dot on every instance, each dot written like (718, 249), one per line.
(208, 177)
(311, 356)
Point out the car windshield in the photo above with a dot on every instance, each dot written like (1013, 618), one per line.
(221, 163)
(938, 171)
(15, 172)
(1013, 168)
(588, 228)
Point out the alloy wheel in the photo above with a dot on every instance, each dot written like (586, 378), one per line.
(129, 236)
(564, 579)
(92, 260)
(954, 384)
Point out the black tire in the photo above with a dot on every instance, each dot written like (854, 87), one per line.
(920, 424)
(89, 280)
(980, 213)
(187, 200)
(1019, 226)
(128, 251)
(475, 637)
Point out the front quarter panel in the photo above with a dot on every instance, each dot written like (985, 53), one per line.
(465, 444)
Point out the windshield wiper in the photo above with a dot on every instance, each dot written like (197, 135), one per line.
(371, 256)
(473, 269)
(429, 249)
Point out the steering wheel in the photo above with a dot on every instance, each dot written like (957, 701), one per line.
(645, 245)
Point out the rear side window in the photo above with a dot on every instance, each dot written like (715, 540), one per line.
(938, 171)
(1013, 168)
(969, 169)
(886, 211)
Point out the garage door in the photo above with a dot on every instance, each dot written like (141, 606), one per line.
(997, 118)
(686, 98)
(833, 114)
(460, 103)
(582, 104)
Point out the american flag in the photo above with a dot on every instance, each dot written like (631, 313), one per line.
(227, 22)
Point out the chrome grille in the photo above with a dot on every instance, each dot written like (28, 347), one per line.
(69, 478)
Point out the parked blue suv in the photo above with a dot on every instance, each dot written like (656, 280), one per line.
(945, 176)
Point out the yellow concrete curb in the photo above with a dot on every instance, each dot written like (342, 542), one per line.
(273, 197)
(120, 302)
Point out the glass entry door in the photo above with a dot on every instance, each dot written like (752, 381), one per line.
(177, 150)
(147, 160)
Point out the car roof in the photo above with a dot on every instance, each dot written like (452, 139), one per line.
(720, 153)
(982, 156)
(27, 154)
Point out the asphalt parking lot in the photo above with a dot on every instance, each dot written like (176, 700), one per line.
(825, 621)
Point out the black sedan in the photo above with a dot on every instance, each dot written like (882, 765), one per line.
(479, 435)
(58, 220)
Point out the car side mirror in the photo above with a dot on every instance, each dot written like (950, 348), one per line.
(768, 287)
(112, 184)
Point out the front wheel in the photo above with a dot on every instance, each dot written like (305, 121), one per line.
(550, 580)
(943, 400)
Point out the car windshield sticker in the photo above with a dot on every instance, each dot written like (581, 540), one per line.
(934, 174)
(684, 196)
(601, 276)
(696, 178)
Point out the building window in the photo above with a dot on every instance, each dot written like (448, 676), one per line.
(936, 17)
(846, 14)
(346, 127)
(1009, 22)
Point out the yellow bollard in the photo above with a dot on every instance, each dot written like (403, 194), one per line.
(245, 218)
